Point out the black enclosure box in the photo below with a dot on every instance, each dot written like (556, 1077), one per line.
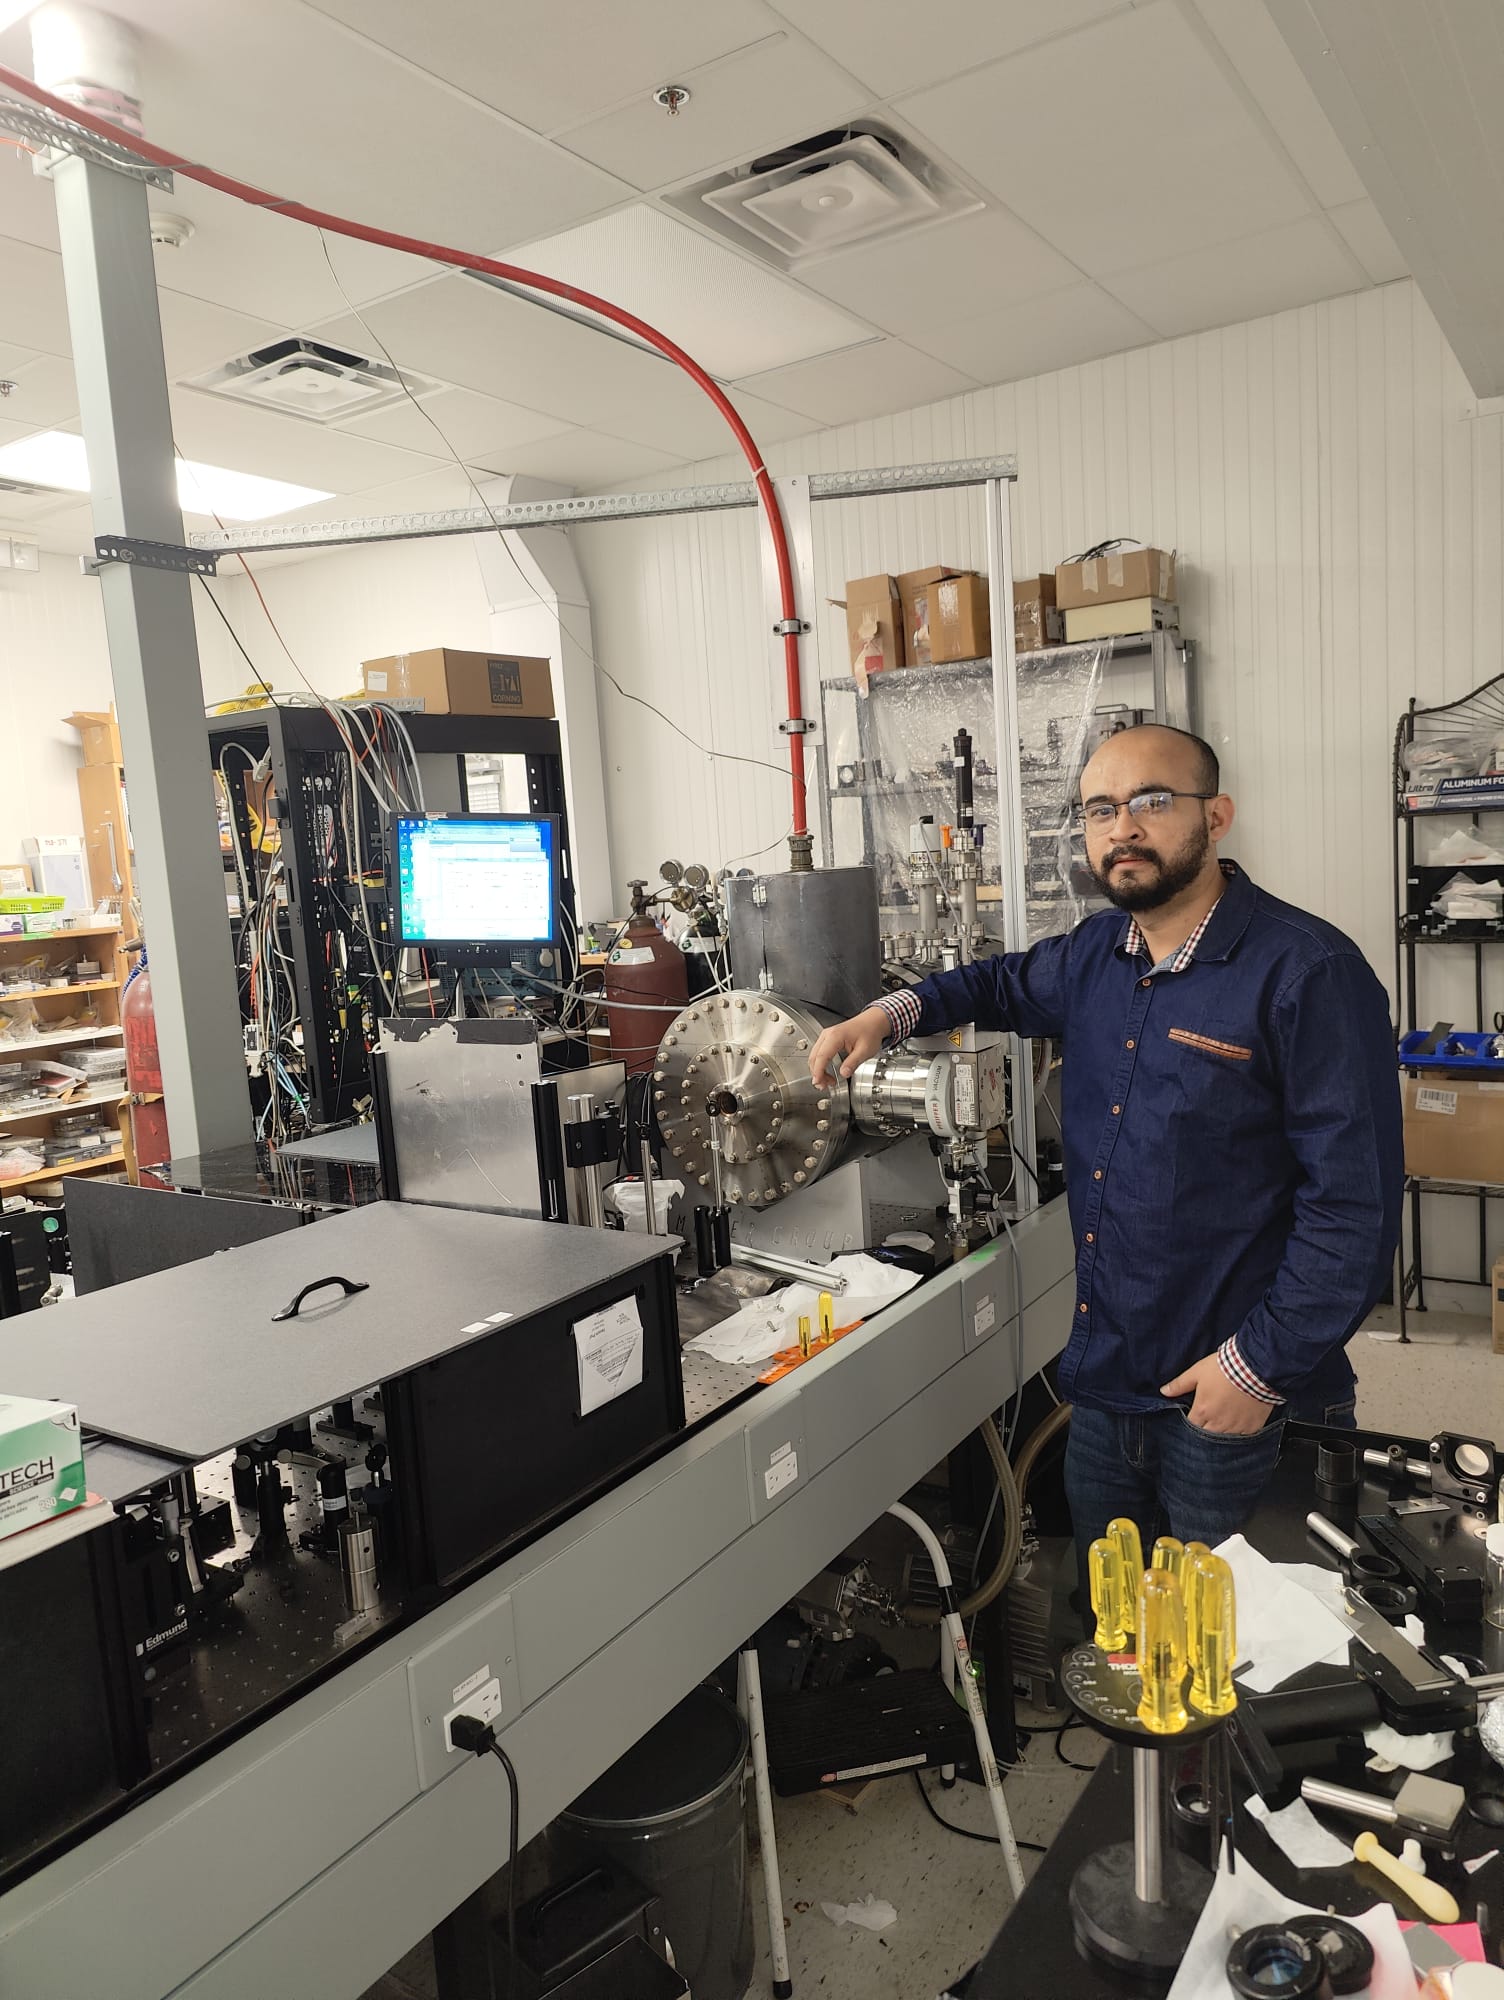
(73, 1737)
(489, 1442)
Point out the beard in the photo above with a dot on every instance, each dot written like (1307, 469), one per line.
(1161, 878)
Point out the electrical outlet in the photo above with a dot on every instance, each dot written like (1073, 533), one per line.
(480, 1696)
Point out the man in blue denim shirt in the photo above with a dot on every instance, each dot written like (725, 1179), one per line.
(1232, 1145)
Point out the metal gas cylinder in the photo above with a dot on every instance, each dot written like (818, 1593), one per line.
(646, 979)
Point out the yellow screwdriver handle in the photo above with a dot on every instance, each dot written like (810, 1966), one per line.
(1170, 1555)
(1211, 1635)
(1161, 1653)
(1109, 1596)
(1125, 1533)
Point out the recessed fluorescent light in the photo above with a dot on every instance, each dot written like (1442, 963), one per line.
(12, 11)
(58, 459)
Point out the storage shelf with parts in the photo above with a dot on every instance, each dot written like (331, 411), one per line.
(597, 1566)
(49, 1069)
(1440, 773)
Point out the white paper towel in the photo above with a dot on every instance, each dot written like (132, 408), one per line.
(1284, 1623)
(1296, 1829)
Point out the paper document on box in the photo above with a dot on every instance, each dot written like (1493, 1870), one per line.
(608, 1347)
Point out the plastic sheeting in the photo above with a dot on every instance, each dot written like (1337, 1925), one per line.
(890, 762)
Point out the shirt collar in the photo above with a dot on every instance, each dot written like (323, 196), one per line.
(1215, 935)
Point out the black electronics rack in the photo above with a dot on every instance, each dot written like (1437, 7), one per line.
(334, 965)
(1415, 887)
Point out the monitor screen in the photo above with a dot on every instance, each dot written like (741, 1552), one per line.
(477, 879)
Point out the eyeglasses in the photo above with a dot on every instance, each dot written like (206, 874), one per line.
(1142, 806)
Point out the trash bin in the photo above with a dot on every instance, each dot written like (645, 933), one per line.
(672, 1813)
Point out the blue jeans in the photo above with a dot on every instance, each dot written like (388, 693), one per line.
(1171, 1478)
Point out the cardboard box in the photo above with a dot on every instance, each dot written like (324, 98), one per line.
(1454, 1128)
(960, 620)
(99, 733)
(1036, 620)
(1110, 621)
(441, 681)
(41, 1462)
(914, 587)
(1109, 578)
(874, 624)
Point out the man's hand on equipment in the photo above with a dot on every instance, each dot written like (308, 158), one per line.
(1220, 1405)
(857, 1039)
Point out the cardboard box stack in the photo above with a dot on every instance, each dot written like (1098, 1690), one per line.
(920, 618)
(1115, 590)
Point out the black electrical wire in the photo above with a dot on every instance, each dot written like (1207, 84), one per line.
(513, 1826)
(988, 1839)
(1069, 1762)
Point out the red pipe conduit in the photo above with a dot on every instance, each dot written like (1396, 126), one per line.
(467, 260)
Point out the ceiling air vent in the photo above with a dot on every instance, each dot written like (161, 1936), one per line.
(302, 378)
(861, 185)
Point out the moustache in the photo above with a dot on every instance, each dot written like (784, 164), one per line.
(1130, 853)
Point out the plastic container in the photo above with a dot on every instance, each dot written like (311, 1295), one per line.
(1462, 1052)
(672, 1813)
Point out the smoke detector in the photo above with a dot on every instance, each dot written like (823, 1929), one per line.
(170, 232)
(303, 378)
(862, 185)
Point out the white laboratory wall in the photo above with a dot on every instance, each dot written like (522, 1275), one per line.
(337, 609)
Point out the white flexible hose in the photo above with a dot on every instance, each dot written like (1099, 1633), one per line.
(956, 1633)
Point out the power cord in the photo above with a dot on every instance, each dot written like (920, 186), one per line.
(1059, 1735)
(468, 1732)
(989, 1839)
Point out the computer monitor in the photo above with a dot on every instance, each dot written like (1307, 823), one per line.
(476, 881)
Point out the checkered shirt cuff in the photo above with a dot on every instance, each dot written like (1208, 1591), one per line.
(1237, 1371)
(902, 1010)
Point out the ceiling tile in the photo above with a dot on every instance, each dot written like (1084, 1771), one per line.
(285, 98)
(480, 338)
(865, 382)
(983, 263)
(12, 358)
(1369, 240)
(33, 310)
(26, 199)
(219, 432)
(587, 460)
(262, 264)
(892, 45)
(766, 96)
(1236, 281)
(473, 426)
(44, 397)
(574, 58)
(1115, 143)
(1080, 323)
(734, 315)
(1272, 76)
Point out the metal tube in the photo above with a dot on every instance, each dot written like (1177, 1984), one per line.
(582, 1112)
(1328, 1532)
(789, 1267)
(1340, 1798)
(1148, 1836)
(751, 1693)
(650, 1210)
(929, 909)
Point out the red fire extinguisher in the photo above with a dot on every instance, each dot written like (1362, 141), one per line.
(143, 1068)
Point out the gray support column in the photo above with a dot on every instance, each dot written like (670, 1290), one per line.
(127, 426)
